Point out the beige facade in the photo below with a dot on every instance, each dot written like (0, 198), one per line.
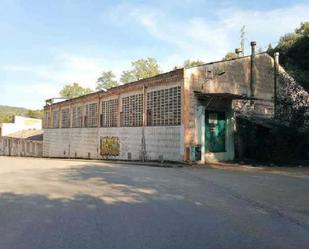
(186, 114)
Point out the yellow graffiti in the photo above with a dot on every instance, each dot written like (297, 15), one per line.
(110, 146)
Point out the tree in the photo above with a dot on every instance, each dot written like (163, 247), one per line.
(230, 56)
(127, 76)
(106, 81)
(188, 63)
(303, 29)
(74, 90)
(35, 114)
(294, 53)
(141, 69)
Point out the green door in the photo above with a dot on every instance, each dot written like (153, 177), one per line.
(215, 131)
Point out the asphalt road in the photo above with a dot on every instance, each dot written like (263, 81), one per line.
(47, 204)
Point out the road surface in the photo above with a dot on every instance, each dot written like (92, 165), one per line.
(70, 204)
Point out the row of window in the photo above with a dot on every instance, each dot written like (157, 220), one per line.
(163, 108)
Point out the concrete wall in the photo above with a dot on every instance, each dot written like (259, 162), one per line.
(20, 123)
(165, 142)
(20, 147)
(225, 77)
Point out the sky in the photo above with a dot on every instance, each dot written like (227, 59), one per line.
(45, 44)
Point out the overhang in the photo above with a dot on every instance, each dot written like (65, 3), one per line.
(230, 96)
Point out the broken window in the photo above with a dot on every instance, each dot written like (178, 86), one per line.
(132, 110)
(77, 117)
(164, 107)
(55, 119)
(109, 113)
(65, 118)
(91, 111)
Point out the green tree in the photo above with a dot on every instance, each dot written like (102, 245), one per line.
(5, 118)
(127, 76)
(106, 81)
(194, 63)
(74, 90)
(35, 114)
(303, 29)
(141, 69)
(230, 56)
(294, 53)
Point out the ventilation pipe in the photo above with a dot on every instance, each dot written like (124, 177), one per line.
(252, 73)
(238, 52)
(276, 71)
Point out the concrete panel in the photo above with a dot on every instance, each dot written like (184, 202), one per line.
(152, 142)
(164, 141)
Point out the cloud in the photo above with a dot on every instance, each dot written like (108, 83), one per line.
(211, 38)
(178, 30)
(34, 83)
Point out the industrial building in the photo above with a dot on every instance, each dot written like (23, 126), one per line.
(182, 115)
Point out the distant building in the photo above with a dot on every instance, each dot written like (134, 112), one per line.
(20, 123)
(182, 115)
(23, 137)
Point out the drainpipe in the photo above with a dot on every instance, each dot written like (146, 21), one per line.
(252, 73)
(276, 71)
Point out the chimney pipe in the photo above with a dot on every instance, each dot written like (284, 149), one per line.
(238, 51)
(276, 71)
(252, 73)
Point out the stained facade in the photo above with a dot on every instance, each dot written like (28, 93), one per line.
(185, 114)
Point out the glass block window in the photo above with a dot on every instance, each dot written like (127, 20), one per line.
(55, 119)
(164, 107)
(132, 110)
(109, 116)
(65, 118)
(91, 113)
(77, 117)
(47, 120)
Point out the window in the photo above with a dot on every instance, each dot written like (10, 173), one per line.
(77, 116)
(109, 113)
(47, 120)
(55, 119)
(132, 110)
(164, 107)
(65, 118)
(91, 111)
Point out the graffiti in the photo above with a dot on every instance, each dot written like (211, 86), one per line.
(110, 146)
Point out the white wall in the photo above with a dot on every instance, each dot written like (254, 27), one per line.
(20, 123)
(166, 142)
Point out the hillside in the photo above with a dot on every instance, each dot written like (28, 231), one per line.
(7, 112)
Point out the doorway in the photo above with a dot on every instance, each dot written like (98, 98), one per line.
(215, 131)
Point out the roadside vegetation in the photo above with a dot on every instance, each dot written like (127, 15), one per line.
(7, 113)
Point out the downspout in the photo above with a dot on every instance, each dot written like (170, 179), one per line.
(252, 72)
(276, 71)
(144, 151)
